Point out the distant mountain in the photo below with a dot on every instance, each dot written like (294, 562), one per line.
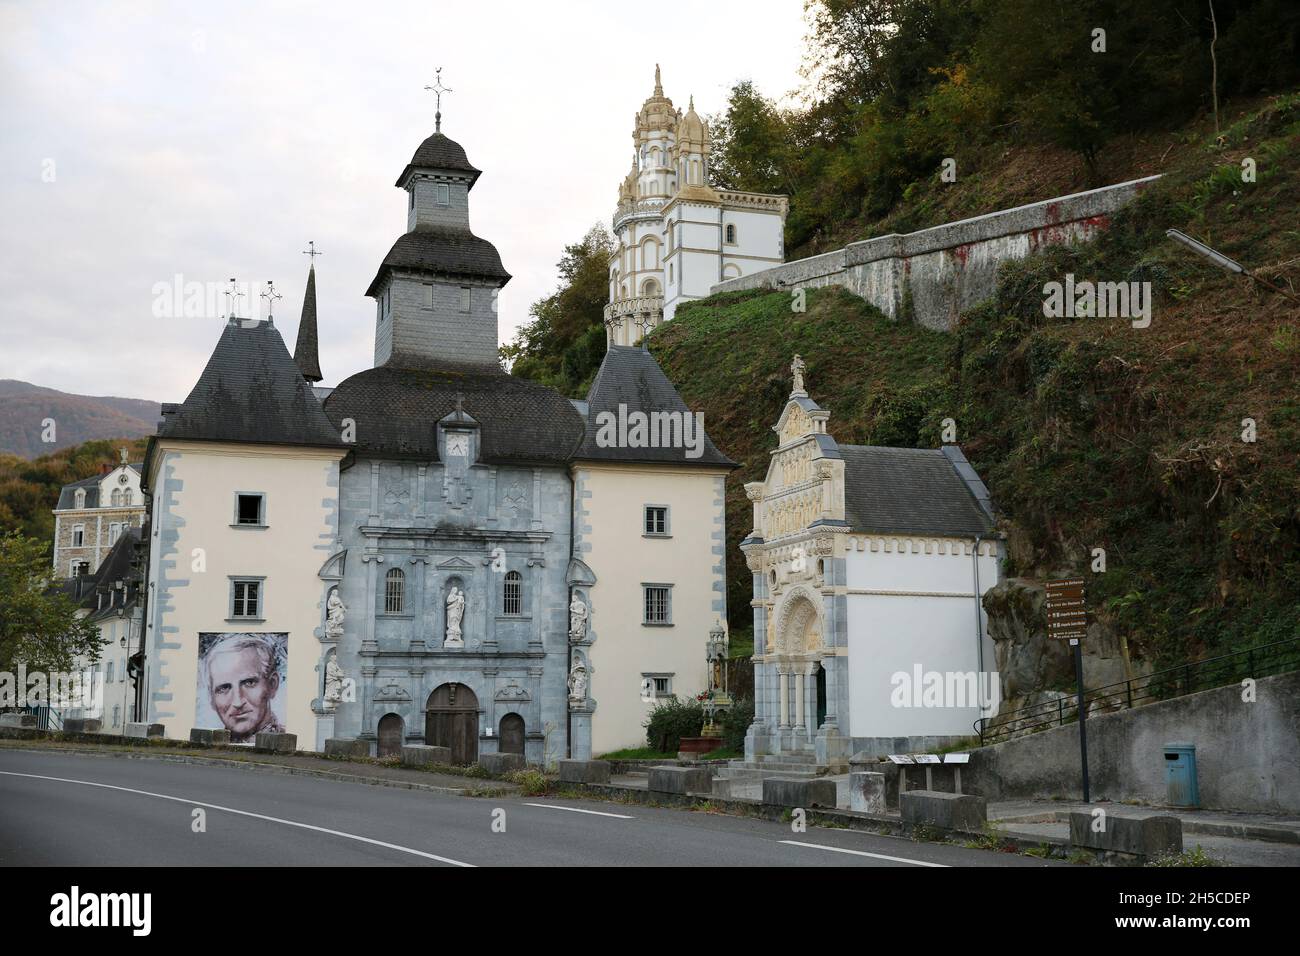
(77, 418)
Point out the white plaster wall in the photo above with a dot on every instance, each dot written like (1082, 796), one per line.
(928, 620)
(301, 488)
(622, 559)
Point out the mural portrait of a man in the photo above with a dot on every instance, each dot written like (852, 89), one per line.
(241, 680)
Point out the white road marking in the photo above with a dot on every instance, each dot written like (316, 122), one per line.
(246, 813)
(595, 813)
(877, 856)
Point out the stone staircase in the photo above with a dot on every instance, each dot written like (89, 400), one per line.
(744, 778)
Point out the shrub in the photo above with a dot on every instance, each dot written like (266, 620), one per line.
(734, 724)
(670, 720)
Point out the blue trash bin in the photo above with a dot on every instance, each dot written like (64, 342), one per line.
(1180, 775)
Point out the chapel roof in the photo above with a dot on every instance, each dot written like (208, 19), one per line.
(440, 152)
(446, 251)
(396, 407)
(630, 376)
(922, 491)
(250, 391)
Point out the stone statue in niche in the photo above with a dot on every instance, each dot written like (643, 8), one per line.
(333, 681)
(578, 682)
(335, 613)
(577, 619)
(455, 614)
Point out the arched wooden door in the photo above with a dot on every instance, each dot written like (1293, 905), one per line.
(391, 732)
(512, 735)
(452, 721)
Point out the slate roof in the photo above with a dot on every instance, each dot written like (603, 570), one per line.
(306, 352)
(397, 408)
(911, 491)
(440, 152)
(629, 375)
(67, 496)
(250, 391)
(442, 251)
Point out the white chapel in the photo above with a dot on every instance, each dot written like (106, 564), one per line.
(678, 236)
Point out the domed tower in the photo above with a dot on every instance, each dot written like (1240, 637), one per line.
(636, 281)
(691, 155)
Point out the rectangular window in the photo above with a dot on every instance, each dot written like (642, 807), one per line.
(656, 520)
(108, 673)
(412, 202)
(249, 510)
(656, 685)
(78, 536)
(442, 192)
(80, 569)
(464, 298)
(114, 530)
(247, 599)
(428, 298)
(658, 603)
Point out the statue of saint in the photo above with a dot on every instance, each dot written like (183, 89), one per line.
(577, 619)
(578, 683)
(455, 613)
(797, 368)
(335, 613)
(333, 682)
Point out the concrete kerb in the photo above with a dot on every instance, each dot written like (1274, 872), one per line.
(1055, 847)
(1262, 832)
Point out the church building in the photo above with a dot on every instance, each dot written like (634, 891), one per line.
(868, 567)
(434, 551)
(678, 236)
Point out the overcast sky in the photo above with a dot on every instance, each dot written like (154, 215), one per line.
(143, 141)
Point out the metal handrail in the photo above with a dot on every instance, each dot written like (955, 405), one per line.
(1163, 685)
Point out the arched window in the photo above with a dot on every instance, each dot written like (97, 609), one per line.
(731, 233)
(512, 596)
(80, 498)
(126, 497)
(394, 591)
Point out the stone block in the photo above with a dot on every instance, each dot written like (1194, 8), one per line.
(425, 755)
(1139, 838)
(18, 720)
(799, 792)
(867, 792)
(501, 764)
(82, 725)
(584, 771)
(276, 743)
(337, 747)
(947, 811)
(144, 730)
(670, 779)
(209, 737)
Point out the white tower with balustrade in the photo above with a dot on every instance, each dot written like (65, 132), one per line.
(677, 235)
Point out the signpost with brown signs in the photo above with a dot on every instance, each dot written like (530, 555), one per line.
(1067, 619)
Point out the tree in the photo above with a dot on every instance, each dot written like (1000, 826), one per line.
(751, 144)
(39, 625)
(564, 344)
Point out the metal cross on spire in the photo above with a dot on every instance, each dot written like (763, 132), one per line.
(438, 89)
(270, 295)
(311, 251)
(233, 295)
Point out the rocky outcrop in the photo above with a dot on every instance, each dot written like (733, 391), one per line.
(1037, 671)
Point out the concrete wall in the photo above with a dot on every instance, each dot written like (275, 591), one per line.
(938, 273)
(1247, 754)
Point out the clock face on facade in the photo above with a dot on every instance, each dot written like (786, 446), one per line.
(122, 479)
(457, 446)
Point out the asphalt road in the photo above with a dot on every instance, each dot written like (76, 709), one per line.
(75, 810)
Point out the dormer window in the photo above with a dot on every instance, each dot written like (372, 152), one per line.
(80, 498)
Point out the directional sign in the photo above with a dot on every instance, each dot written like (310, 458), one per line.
(1066, 610)
(1065, 583)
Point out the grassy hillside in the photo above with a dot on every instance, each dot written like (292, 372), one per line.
(1088, 432)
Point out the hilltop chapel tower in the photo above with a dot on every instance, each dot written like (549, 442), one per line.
(677, 235)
